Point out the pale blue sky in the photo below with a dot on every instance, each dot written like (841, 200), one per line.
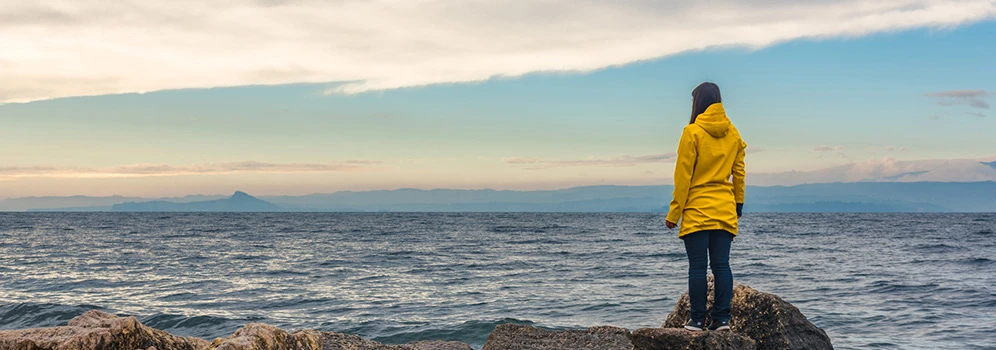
(859, 95)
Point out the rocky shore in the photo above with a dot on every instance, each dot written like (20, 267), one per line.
(759, 321)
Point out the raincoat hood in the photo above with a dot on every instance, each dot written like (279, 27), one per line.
(714, 121)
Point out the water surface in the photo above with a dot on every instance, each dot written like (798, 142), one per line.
(910, 281)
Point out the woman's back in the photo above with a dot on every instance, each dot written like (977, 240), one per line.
(710, 151)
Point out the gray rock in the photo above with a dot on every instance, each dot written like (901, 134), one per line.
(767, 319)
(518, 337)
(680, 338)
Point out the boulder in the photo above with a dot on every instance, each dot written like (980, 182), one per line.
(519, 337)
(683, 339)
(767, 319)
(97, 330)
(261, 336)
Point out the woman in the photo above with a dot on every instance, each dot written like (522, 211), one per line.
(708, 203)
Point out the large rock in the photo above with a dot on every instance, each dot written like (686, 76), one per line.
(97, 330)
(682, 339)
(519, 337)
(767, 319)
(261, 336)
(343, 341)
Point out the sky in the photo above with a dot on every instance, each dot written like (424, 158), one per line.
(145, 98)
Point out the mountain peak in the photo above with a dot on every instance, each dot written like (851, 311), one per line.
(238, 202)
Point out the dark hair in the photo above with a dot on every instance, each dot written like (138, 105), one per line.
(704, 96)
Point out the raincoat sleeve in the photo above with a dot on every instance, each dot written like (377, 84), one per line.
(739, 178)
(682, 175)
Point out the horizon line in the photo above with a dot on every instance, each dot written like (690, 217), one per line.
(487, 189)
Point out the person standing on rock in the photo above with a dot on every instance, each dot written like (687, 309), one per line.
(708, 203)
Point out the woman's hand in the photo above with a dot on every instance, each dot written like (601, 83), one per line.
(670, 224)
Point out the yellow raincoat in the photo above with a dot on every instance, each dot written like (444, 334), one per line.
(709, 154)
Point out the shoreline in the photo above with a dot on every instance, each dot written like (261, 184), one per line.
(759, 321)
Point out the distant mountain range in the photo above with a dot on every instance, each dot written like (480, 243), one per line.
(827, 197)
(887, 170)
(238, 202)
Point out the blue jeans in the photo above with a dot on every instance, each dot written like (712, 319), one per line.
(703, 248)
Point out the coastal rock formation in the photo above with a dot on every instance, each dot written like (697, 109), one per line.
(759, 321)
(513, 336)
(97, 330)
(767, 319)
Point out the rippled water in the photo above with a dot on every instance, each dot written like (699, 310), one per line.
(912, 281)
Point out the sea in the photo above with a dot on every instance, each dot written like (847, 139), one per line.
(872, 281)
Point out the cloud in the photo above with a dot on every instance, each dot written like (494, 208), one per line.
(884, 170)
(825, 148)
(62, 48)
(971, 98)
(897, 149)
(149, 170)
(530, 163)
(977, 114)
(959, 93)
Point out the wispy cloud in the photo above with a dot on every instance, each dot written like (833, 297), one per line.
(976, 114)
(826, 149)
(149, 170)
(530, 163)
(64, 48)
(885, 169)
(971, 98)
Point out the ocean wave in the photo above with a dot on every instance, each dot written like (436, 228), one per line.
(207, 327)
(526, 229)
(891, 287)
(934, 248)
(28, 315)
(977, 261)
(36, 315)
